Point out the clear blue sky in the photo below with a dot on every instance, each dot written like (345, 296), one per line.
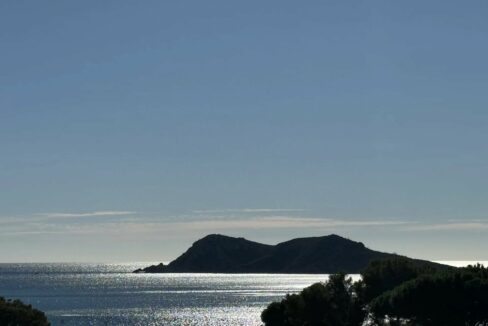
(128, 129)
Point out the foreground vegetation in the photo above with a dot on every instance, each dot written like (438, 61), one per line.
(391, 292)
(16, 313)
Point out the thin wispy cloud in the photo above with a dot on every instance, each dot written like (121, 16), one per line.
(87, 214)
(458, 226)
(205, 225)
(209, 221)
(281, 222)
(247, 210)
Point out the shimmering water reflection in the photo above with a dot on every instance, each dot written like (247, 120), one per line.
(108, 294)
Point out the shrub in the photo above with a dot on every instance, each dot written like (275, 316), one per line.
(16, 313)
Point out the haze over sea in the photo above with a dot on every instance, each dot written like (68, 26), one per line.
(109, 294)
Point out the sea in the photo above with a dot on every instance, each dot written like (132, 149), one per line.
(110, 294)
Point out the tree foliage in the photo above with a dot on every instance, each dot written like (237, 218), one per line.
(16, 313)
(383, 275)
(332, 304)
(391, 292)
(444, 298)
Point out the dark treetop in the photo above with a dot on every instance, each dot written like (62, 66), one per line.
(318, 255)
(16, 313)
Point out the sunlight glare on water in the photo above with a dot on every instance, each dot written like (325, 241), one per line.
(109, 294)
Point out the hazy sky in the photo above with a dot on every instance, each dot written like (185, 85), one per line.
(130, 129)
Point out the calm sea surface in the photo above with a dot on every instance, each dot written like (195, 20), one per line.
(108, 294)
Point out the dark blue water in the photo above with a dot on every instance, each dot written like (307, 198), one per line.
(109, 294)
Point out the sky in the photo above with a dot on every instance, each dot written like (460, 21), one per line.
(129, 129)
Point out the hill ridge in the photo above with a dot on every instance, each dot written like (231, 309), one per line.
(217, 253)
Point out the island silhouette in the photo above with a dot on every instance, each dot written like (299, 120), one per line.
(216, 253)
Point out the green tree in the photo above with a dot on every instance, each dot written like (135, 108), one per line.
(333, 304)
(449, 298)
(383, 275)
